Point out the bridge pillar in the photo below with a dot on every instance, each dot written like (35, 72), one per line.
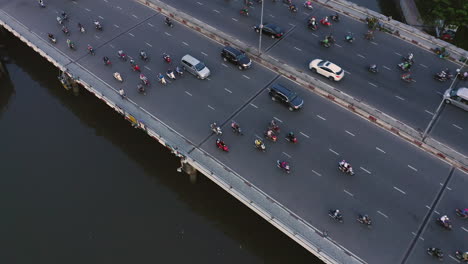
(189, 169)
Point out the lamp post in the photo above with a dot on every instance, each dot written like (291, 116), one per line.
(434, 117)
(261, 28)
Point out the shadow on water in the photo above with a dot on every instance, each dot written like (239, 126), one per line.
(391, 8)
(204, 199)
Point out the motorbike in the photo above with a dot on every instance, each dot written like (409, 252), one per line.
(236, 128)
(435, 252)
(289, 2)
(407, 78)
(338, 217)
(170, 74)
(60, 20)
(271, 136)
(179, 71)
(325, 43)
(325, 22)
(308, 5)
(403, 67)
(71, 45)
(447, 224)
(461, 256)
(373, 68)
(166, 58)
(168, 23)
(220, 144)
(106, 61)
(292, 139)
(41, 4)
(91, 50)
(97, 25)
(273, 126)
(259, 145)
(52, 39)
(312, 25)
(284, 166)
(82, 29)
(216, 129)
(293, 8)
(141, 89)
(349, 38)
(144, 80)
(341, 166)
(122, 55)
(244, 12)
(460, 213)
(335, 17)
(143, 56)
(442, 77)
(136, 68)
(463, 76)
(361, 220)
(161, 79)
(65, 31)
(248, 3)
(118, 77)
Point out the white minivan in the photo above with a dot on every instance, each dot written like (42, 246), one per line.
(458, 97)
(195, 67)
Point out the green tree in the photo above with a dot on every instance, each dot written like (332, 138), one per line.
(452, 12)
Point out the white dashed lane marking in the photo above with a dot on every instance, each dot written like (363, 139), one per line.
(375, 43)
(349, 133)
(253, 105)
(116, 26)
(134, 16)
(372, 84)
(297, 48)
(423, 65)
(316, 173)
(234, 19)
(131, 34)
(380, 150)
(204, 53)
(334, 152)
(101, 17)
(167, 34)
(199, 3)
(287, 155)
(401, 98)
(118, 7)
(464, 229)
(185, 43)
(277, 119)
(350, 194)
(212, 108)
(149, 44)
(457, 126)
(227, 90)
(398, 189)
(87, 9)
(397, 53)
(188, 93)
(148, 68)
(245, 76)
(214, 10)
(382, 214)
(151, 25)
(321, 118)
(304, 135)
(387, 68)
(429, 112)
(413, 168)
(365, 170)
(359, 55)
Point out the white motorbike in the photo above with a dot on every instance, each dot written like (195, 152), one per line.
(118, 77)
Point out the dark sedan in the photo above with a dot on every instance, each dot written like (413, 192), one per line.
(270, 29)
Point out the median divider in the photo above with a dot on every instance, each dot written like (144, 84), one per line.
(339, 97)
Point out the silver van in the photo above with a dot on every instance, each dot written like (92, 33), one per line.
(195, 67)
(458, 97)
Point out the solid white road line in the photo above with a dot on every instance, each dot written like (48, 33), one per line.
(336, 153)
(381, 150)
(400, 190)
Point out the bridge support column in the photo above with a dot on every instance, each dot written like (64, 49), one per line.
(189, 169)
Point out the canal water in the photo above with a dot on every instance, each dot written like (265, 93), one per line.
(79, 185)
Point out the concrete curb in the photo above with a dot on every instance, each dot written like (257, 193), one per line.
(337, 96)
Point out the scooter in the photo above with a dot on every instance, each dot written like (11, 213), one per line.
(407, 78)
(292, 140)
(435, 253)
(53, 40)
(293, 8)
(236, 128)
(91, 50)
(343, 169)
(118, 77)
(141, 89)
(325, 44)
(442, 78)
(349, 38)
(447, 225)
(221, 145)
(308, 5)
(373, 68)
(144, 80)
(66, 31)
(260, 146)
(60, 20)
(144, 56)
(335, 17)
(312, 26)
(170, 74)
(179, 71)
(244, 12)
(167, 58)
(367, 223)
(459, 256)
(97, 25)
(136, 68)
(161, 79)
(283, 167)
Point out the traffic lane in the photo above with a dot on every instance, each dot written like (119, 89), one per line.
(454, 196)
(210, 100)
(302, 172)
(451, 128)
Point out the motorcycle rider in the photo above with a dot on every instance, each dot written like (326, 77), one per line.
(308, 4)
(366, 219)
(51, 36)
(179, 70)
(330, 38)
(410, 57)
(140, 88)
(41, 3)
(335, 17)
(290, 136)
(143, 55)
(335, 213)
(464, 213)
(122, 93)
(345, 166)
(292, 7)
(65, 30)
(170, 74)
(168, 21)
(235, 126)
(258, 143)
(166, 57)
(273, 125)
(373, 68)
(406, 77)
(97, 24)
(80, 26)
(436, 252)
(106, 60)
(270, 134)
(121, 54)
(349, 36)
(90, 49)
(324, 20)
(245, 10)
(445, 220)
(70, 44)
(444, 74)
(369, 35)
(220, 143)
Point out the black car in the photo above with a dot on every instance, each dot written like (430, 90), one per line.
(286, 96)
(270, 29)
(237, 57)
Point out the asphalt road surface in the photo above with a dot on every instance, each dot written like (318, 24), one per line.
(413, 104)
(394, 181)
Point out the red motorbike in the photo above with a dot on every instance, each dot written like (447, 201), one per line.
(136, 68)
(325, 22)
(220, 144)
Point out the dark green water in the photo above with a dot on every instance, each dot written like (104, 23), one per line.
(79, 185)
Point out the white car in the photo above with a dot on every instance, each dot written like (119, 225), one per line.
(327, 69)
